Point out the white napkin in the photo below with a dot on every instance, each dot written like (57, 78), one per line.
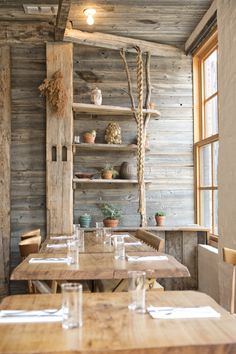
(133, 243)
(146, 258)
(56, 245)
(21, 316)
(61, 237)
(122, 235)
(48, 260)
(182, 312)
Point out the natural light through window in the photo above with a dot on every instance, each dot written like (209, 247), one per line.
(206, 134)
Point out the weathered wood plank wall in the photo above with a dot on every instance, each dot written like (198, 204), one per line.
(169, 164)
(28, 145)
(5, 162)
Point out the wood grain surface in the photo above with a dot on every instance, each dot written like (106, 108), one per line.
(59, 136)
(108, 327)
(5, 166)
(97, 266)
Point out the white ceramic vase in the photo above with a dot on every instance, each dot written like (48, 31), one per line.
(96, 96)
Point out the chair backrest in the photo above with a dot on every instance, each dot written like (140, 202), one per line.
(29, 245)
(229, 256)
(31, 233)
(151, 239)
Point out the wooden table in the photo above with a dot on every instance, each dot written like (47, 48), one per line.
(110, 328)
(97, 266)
(93, 244)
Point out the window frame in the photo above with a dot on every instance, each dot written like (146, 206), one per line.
(206, 49)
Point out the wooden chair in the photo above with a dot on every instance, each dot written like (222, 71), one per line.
(159, 244)
(229, 256)
(29, 245)
(151, 239)
(29, 234)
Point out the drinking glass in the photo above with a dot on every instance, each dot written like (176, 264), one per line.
(72, 304)
(99, 229)
(80, 238)
(107, 236)
(136, 290)
(75, 228)
(73, 252)
(119, 247)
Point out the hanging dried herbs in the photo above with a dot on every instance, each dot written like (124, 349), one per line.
(54, 90)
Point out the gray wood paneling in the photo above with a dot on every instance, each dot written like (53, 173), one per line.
(28, 210)
(169, 164)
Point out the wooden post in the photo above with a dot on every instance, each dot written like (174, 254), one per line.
(5, 141)
(59, 146)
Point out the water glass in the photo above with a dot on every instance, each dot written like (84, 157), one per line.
(73, 252)
(99, 229)
(119, 247)
(72, 305)
(80, 238)
(75, 228)
(136, 290)
(107, 232)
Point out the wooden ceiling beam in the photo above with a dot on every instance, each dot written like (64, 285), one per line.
(62, 17)
(110, 41)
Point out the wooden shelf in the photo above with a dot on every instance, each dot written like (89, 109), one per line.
(106, 147)
(109, 110)
(106, 181)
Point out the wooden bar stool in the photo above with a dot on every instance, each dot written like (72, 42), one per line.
(229, 256)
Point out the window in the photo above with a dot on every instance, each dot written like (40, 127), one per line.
(206, 138)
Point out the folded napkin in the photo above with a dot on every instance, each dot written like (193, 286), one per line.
(122, 235)
(48, 260)
(56, 245)
(63, 237)
(133, 243)
(146, 258)
(182, 312)
(21, 316)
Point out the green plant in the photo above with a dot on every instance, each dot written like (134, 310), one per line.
(92, 132)
(110, 212)
(109, 167)
(160, 213)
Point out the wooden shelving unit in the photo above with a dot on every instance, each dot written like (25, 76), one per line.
(105, 181)
(106, 147)
(109, 110)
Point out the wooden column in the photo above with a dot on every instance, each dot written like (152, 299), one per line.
(59, 146)
(5, 141)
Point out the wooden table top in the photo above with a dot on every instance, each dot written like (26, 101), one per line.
(97, 266)
(92, 244)
(110, 328)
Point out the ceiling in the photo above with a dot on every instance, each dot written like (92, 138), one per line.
(163, 21)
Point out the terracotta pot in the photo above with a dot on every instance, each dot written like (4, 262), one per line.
(160, 220)
(107, 174)
(88, 138)
(110, 222)
(128, 171)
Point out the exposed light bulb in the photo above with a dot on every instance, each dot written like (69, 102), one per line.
(90, 13)
(90, 20)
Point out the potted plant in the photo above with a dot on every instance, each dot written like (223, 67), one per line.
(111, 214)
(160, 218)
(89, 136)
(108, 172)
